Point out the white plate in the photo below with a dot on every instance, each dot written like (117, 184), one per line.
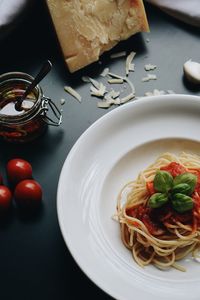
(108, 155)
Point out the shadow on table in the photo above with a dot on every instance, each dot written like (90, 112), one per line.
(195, 88)
(25, 216)
(30, 215)
(47, 143)
(6, 219)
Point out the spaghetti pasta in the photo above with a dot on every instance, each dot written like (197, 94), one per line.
(159, 233)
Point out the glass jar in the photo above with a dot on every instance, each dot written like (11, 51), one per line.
(31, 120)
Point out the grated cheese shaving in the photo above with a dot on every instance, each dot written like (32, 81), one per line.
(105, 72)
(170, 92)
(85, 79)
(113, 94)
(127, 98)
(115, 75)
(157, 92)
(62, 101)
(129, 62)
(131, 85)
(95, 83)
(150, 67)
(73, 93)
(149, 77)
(125, 79)
(116, 80)
(98, 92)
(118, 54)
(103, 104)
(132, 67)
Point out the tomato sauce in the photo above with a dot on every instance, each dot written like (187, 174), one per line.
(174, 169)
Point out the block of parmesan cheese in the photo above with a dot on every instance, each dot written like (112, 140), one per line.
(87, 28)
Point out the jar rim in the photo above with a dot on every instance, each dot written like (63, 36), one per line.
(34, 110)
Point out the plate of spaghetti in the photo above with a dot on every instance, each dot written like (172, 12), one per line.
(128, 200)
(160, 220)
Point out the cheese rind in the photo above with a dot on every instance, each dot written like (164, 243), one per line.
(88, 28)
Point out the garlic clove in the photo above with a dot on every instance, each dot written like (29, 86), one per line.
(192, 71)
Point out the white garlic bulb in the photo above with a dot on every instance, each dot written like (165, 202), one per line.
(192, 71)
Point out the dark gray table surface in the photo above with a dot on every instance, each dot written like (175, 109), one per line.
(34, 260)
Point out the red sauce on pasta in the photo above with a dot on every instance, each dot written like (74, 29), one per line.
(157, 220)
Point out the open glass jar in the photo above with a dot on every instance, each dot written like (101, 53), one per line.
(32, 119)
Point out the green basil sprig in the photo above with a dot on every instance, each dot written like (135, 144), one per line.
(174, 190)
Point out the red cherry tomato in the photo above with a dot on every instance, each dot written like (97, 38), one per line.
(28, 193)
(18, 169)
(5, 198)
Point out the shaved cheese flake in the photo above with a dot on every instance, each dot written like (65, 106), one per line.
(115, 75)
(117, 101)
(149, 77)
(118, 54)
(98, 92)
(62, 101)
(131, 85)
(150, 67)
(132, 67)
(129, 61)
(85, 79)
(113, 94)
(102, 89)
(170, 92)
(73, 93)
(109, 101)
(127, 98)
(155, 93)
(144, 79)
(103, 104)
(158, 92)
(105, 72)
(116, 80)
(125, 79)
(95, 83)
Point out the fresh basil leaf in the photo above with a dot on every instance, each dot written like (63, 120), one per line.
(157, 200)
(187, 178)
(182, 203)
(163, 181)
(182, 188)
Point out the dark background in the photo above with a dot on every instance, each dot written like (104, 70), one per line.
(34, 260)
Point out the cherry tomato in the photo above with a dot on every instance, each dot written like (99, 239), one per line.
(18, 169)
(28, 193)
(5, 198)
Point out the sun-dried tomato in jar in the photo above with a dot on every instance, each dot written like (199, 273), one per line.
(31, 120)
